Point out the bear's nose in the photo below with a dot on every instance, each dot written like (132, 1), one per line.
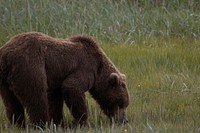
(125, 120)
(122, 119)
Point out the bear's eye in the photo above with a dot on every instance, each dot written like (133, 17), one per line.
(121, 104)
(123, 85)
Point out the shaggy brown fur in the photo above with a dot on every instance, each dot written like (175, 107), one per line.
(39, 73)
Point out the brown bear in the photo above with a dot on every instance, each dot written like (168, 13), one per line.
(38, 73)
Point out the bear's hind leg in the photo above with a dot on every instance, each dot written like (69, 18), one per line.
(31, 90)
(55, 101)
(14, 109)
(37, 109)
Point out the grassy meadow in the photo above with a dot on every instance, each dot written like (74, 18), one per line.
(156, 43)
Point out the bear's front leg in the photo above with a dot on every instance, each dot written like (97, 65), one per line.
(75, 99)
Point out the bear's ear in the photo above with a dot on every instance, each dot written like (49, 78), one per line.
(123, 77)
(114, 79)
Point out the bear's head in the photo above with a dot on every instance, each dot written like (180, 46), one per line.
(115, 98)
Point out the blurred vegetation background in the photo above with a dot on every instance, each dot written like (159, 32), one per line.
(120, 21)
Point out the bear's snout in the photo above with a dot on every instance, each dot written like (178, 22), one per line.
(121, 117)
(125, 120)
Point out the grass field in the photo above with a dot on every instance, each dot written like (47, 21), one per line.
(156, 43)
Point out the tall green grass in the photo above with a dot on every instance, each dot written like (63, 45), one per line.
(122, 21)
(162, 62)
